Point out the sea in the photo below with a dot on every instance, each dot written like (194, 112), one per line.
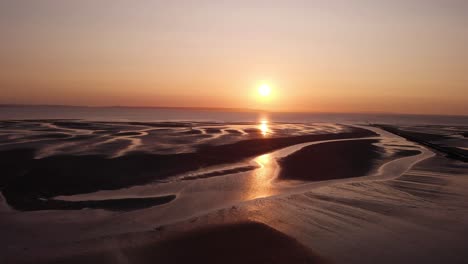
(156, 114)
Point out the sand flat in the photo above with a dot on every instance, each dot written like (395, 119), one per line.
(410, 208)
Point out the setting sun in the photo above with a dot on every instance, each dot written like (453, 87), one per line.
(264, 90)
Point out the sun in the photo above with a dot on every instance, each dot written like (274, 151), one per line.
(264, 90)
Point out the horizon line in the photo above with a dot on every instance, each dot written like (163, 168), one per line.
(227, 109)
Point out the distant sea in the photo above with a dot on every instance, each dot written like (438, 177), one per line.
(8, 112)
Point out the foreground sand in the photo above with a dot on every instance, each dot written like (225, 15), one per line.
(244, 242)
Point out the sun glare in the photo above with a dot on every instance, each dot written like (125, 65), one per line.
(264, 90)
(263, 126)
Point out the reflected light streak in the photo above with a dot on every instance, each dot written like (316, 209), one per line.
(263, 160)
(259, 184)
(263, 126)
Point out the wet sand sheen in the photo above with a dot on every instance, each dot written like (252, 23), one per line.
(29, 180)
(317, 213)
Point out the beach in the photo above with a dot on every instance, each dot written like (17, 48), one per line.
(226, 192)
(260, 132)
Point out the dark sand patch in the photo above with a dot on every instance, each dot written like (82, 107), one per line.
(124, 204)
(333, 160)
(77, 125)
(112, 147)
(81, 138)
(128, 133)
(252, 131)
(191, 132)
(233, 131)
(396, 145)
(406, 153)
(50, 136)
(159, 124)
(40, 129)
(212, 130)
(91, 126)
(436, 142)
(247, 242)
(412, 134)
(221, 172)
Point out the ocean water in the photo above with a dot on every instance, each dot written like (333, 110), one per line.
(172, 114)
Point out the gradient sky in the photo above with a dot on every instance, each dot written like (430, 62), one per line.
(327, 56)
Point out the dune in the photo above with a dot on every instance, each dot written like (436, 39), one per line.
(245, 242)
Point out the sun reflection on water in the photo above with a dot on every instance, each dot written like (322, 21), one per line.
(263, 126)
(263, 160)
(259, 184)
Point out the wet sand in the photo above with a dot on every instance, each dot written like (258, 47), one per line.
(405, 204)
(29, 183)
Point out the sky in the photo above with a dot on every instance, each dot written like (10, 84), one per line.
(318, 56)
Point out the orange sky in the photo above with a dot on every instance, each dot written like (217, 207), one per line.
(327, 56)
